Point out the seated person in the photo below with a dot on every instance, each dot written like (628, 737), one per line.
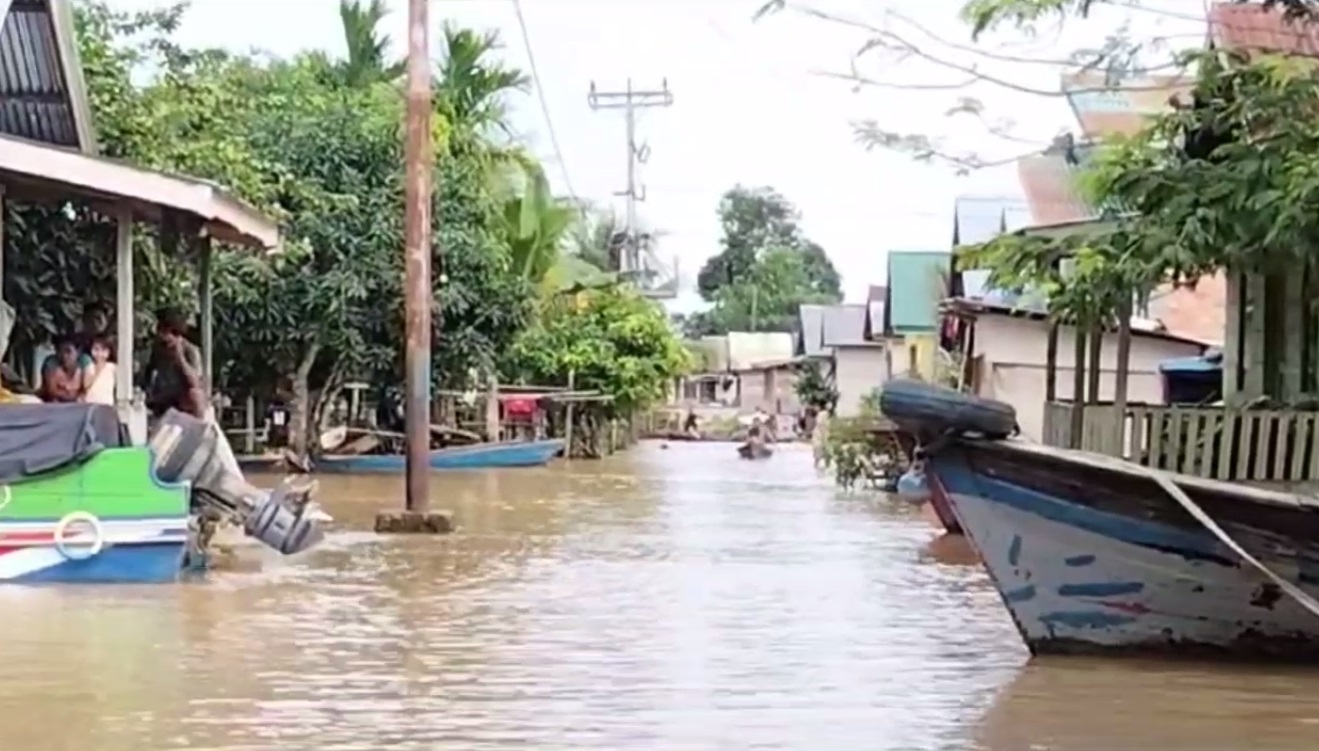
(98, 374)
(61, 380)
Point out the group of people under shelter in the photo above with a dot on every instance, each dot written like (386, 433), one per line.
(82, 369)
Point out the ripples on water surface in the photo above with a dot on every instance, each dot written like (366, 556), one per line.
(665, 599)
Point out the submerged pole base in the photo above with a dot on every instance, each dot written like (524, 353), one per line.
(414, 522)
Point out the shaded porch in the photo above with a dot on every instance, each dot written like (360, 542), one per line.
(188, 214)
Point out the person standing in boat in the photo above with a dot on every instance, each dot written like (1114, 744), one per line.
(174, 373)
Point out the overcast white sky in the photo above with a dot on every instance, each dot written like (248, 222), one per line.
(748, 106)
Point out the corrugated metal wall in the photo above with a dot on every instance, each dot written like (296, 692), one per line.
(34, 99)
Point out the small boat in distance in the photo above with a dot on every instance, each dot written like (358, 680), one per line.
(474, 456)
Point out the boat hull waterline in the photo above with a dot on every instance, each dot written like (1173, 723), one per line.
(477, 456)
(142, 551)
(1077, 579)
(1092, 554)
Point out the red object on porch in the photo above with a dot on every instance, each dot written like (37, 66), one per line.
(519, 407)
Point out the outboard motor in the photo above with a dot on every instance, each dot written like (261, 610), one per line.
(186, 448)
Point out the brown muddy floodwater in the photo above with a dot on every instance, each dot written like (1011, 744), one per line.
(666, 600)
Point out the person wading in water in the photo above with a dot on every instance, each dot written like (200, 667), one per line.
(174, 374)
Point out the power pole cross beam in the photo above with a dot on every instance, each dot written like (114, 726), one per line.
(630, 100)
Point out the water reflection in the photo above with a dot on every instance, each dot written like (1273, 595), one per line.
(1084, 705)
(666, 599)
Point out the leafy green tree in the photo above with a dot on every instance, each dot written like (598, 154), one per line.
(315, 142)
(766, 269)
(612, 340)
(755, 220)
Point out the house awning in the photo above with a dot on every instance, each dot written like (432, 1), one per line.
(41, 172)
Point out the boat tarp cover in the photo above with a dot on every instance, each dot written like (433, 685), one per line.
(37, 438)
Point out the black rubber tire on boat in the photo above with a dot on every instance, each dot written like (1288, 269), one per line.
(930, 411)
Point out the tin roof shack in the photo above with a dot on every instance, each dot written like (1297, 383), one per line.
(47, 147)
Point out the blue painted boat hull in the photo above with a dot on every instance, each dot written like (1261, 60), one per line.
(476, 456)
(1097, 559)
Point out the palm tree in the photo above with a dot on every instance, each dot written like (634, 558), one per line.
(470, 85)
(367, 62)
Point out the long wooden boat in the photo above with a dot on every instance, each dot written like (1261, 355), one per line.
(475, 456)
(80, 504)
(1095, 555)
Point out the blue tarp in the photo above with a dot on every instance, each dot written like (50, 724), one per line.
(1209, 363)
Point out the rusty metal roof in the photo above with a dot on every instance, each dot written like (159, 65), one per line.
(1251, 27)
(1105, 105)
(42, 94)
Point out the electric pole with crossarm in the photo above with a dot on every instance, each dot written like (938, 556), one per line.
(630, 100)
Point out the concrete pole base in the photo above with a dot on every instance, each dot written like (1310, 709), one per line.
(414, 523)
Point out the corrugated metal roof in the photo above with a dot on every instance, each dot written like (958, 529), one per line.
(918, 282)
(845, 326)
(1106, 105)
(1049, 182)
(810, 331)
(978, 219)
(42, 95)
(746, 349)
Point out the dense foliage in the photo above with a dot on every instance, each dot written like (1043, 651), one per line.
(316, 143)
(611, 339)
(765, 270)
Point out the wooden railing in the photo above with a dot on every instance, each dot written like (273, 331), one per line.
(1221, 443)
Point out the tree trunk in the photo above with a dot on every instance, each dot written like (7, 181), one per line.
(300, 408)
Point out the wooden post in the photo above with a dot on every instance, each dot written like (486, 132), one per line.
(249, 425)
(1120, 379)
(493, 429)
(1051, 364)
(207, 318)
(1093, 371)
(1078, 392)
(567, 417)
(2, 245)
(124, 323)
(1232, 350)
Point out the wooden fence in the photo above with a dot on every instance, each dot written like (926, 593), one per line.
(1220, 443)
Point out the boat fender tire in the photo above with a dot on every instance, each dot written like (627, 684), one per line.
(928, 411)
(79, 554)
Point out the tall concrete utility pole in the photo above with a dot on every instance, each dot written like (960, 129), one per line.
(630, 100)
(419, 164)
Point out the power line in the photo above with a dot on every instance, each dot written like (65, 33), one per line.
(544, 107)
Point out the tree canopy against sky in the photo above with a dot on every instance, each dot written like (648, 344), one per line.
(766, 267)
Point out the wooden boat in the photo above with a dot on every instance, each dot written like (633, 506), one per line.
(1096, 555)
(474, 456)
(80, 504)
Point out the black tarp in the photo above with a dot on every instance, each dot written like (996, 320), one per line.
(36, 438)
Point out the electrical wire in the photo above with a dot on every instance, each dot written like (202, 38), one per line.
(544, 107)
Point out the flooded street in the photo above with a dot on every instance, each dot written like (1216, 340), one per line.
(663, 599)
